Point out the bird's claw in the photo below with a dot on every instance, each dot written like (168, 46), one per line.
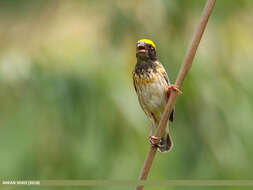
(175, 88)
(154, 141)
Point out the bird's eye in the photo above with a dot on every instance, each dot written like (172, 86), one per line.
(149, 46)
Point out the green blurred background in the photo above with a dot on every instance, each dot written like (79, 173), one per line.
(68, 109)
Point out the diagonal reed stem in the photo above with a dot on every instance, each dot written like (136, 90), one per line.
(185, 67)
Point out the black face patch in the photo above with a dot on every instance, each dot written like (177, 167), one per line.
(145, 52)
(150, 46)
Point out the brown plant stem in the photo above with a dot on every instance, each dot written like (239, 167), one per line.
(185, 67)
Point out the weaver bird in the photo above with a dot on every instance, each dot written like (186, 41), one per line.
(153, 88)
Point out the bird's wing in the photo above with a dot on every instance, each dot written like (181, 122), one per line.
(172, 115)
(163, 72)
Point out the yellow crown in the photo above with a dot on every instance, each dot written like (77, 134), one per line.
(147, 41)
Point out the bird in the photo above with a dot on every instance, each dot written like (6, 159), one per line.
(153, 89)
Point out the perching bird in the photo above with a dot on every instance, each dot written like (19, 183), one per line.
(153, 88)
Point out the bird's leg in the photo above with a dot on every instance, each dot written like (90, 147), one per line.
(175, 88)
(153, 140)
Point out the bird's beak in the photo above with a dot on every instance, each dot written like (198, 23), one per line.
(140, 48)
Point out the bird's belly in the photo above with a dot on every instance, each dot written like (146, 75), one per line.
(154, 95)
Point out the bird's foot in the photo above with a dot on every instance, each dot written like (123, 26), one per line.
(154, 141)
(175, 88)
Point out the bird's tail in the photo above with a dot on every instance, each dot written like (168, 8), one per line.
(166, 142)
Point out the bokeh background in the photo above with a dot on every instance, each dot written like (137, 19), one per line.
(68, 109)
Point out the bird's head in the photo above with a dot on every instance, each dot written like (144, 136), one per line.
(145, 50)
